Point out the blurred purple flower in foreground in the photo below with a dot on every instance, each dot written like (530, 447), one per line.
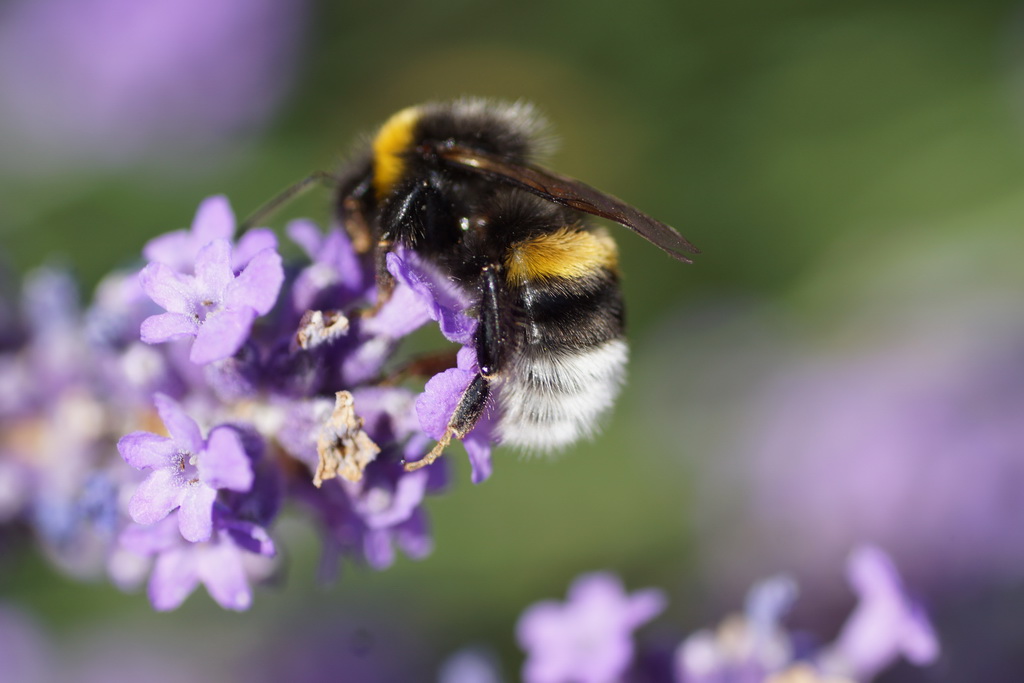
(114, 79)
(260, 387)
(755, 647)
(885, 625)
(589, 638)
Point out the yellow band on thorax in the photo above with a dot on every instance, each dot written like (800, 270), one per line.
(565, 253)
(393, 139)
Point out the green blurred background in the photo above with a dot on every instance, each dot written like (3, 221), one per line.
(797, 143)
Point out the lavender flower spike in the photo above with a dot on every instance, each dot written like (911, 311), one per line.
(186, 470)
(587, 639)
(214, 306)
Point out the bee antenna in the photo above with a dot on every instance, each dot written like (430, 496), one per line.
(290, 193)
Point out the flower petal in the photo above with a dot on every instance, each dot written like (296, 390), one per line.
(306, 234)
(224, 464)
(403, 313)
(249, 536)
(166, 326)
(447, 303)
(172, 291)
(214, 220)
(413, 536)
(222, 334)
(644, 605)
(182, 428)
(434, 407)
(171, 248)
(478, 448)
(339, 252)
(886, 623)
(144, 449)
(152, 539)
(404, 500)
(258, 285)
(377, 548)
(195, 517)
(175, 576)
(539, 623)
(213, 268)
(155, 497)
(222, 571)
(251, 243)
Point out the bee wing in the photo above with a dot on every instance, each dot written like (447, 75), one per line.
(574, 194)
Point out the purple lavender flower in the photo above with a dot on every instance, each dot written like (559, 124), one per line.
(744, 649)
(436, 404)
(50, 309)
(213, 306)
(885, 624)
(222, 562)
(214, 220)
(755, 647)
(445, 302)
(369, 517)
(377, 337)
(335, 276)
(587, 639)
(367, 521)
(60, 411)
(271, 404)
(187, 470)
(421, 294)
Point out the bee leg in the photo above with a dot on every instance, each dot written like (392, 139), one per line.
(352, 209)
(356, 225)
(491, 352)
(467, 413)
(491, 332)
(385, 280)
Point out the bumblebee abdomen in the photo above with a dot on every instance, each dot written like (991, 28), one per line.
(566, 286)
(552, 400)
(570, 355)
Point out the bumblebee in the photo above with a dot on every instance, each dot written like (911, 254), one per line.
(457, 182)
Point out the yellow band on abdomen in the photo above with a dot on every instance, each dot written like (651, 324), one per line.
(565, 253)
